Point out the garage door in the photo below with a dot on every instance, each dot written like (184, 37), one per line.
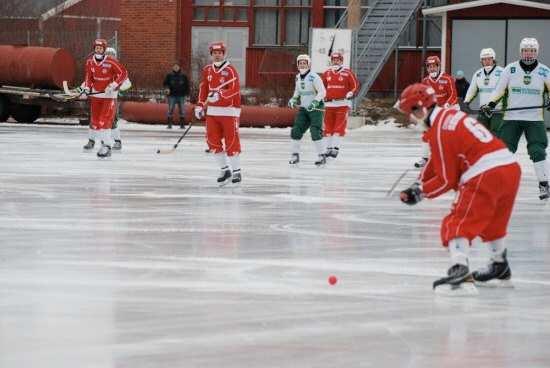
(470, 36)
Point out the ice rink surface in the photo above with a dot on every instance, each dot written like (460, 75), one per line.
(142, 261)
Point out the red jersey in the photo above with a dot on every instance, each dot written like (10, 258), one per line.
(445, 89)
(461, 149)
(229, 102)
(100, 74)
(338, 83)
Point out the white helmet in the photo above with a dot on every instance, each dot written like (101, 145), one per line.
(487, 53)
(529, 43)
(110, 51)
(304, 57)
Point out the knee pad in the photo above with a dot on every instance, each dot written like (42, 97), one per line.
(296, 134)
(316, 133)
(537, 152)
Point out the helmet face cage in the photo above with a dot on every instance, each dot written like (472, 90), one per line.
(303, 57)
(336, 56)
(101, 42)
(487, 57)
(529, 49)
(433, 65)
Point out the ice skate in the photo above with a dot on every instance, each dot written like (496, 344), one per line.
(90, 145)
(544, 190)
(332, 152)
(421, 162)
(496, 274)
(104, 151)
(236, 179)
(294, 159)
(459, 282)
(321, 161)
(118, 145)
(224, 177)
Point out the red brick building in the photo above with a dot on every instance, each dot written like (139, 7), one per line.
(263, 38)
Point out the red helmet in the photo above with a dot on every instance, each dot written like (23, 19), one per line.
(217, 46)
(433, 60)
(416, 96)
(101, 42)
(336, 56)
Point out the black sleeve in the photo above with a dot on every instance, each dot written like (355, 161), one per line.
(185, 85)
(166, 81)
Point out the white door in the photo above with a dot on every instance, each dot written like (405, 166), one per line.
(236, 40)
(469, 37)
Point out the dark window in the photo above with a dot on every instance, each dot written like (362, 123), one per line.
(281, 22)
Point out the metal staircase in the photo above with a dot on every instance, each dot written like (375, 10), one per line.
(377, 36)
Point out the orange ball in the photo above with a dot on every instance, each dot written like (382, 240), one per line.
(332, 279)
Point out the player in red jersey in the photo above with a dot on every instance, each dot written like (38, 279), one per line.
(467, 158)
(445, 93)
(104, 74)
(442, 83)
(341, 85)
(220, 101)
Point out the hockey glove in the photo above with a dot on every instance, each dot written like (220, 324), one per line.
(126, 85)
(111, 88)
(199, 112)
(349, 95)
(412, 195)
(83, 90)
(487, 110)
(292, 103)
(213, 97)
(314, 105)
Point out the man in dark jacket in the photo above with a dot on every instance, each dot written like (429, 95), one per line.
(178, 86)
(462, 85)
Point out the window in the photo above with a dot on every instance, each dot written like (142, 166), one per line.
(266, 27)
(297, 27)
(220, 10)
(281, 22)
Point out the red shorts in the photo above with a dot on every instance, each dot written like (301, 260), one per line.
(483, 206)
(336, 120)
(102, 112)
(226, 128)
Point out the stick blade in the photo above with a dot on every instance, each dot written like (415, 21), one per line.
(166, 151)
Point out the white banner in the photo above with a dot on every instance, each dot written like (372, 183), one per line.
(325, 41)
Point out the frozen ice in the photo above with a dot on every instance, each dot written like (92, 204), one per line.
(141, 260)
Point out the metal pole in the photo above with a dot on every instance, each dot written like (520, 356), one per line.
(395, 78)
(424, 46)
(98, 30)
